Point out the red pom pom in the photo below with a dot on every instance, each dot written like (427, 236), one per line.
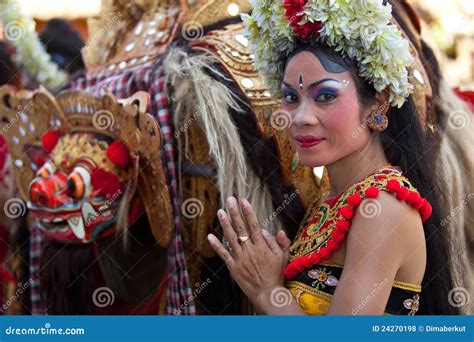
(343, 226)
(325, 253)
(290, 271)
(419, 204)
(393, 185)
(354, 200)
(106, 183)
(333, 246)
(426, 211)
(315, 258)
(372, 192)
(402, 193)
(338, 236)
(49, 140)
(305, 261)
(118, 154)
(346, 212)
(413, 198)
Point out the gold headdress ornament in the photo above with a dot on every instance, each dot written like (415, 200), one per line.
(128, 34)
(27, 116)
(208, 12)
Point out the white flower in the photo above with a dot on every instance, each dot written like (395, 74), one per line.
(359, 29)
(30, 53)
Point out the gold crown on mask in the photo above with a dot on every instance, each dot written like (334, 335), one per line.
(27, 116)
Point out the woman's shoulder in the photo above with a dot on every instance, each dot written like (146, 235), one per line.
(387, 190)
(380, 210)
(387, 211)
(386, 217)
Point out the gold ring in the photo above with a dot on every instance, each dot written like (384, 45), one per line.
(242, 239)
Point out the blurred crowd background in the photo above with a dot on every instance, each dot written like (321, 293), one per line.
(448, 25)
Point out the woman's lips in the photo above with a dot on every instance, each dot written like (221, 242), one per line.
(307, 141)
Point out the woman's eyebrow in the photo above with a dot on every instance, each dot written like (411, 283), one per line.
(288, 85)
(312, 85)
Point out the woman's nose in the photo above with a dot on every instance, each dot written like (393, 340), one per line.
(305, 115)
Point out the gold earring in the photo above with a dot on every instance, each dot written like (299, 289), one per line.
(377, 121)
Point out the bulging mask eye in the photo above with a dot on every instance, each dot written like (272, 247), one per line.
(79, 182)
(48, 169)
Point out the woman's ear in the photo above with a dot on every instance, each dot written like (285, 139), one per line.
(378, 105)
(377, 116)
(382, 103)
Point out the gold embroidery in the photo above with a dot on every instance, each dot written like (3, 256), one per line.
(308, 289)
(315, 231)
(314, 235)
(407, 286)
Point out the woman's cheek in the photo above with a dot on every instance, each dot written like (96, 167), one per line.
(344, 119)
(344, 131)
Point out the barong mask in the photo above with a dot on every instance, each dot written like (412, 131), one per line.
(79, 157)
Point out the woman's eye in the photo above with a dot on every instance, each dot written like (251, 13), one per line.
(46, 170)
(79, 182)
(290, 97)
(326, 97)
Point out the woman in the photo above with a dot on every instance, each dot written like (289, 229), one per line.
(355, 81)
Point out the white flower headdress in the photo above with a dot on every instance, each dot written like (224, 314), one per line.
(359, 29)
(19, 30)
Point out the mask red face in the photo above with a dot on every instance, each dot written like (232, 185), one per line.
(77, 192)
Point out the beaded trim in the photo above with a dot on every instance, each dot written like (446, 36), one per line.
(328, 228)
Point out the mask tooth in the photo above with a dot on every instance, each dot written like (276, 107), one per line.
(88, 213)
(77, 226)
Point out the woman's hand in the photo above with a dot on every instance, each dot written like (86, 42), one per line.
(255, 258)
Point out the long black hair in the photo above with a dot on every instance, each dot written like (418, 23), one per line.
(413, 145)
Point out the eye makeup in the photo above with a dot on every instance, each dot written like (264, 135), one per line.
(289, 95)
(328, 88)
(325, 92)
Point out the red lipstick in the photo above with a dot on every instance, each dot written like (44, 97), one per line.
(307, 141)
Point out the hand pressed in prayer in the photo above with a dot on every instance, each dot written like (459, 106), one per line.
(256, 259)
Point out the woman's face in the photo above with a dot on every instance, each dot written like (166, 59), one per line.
(325, 111)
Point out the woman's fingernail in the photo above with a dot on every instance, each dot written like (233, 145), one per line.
(245, 203)
(210, 238)
(265, 232)
(230, 202)
(221, 214)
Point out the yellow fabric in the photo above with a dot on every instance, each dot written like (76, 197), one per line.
(314, 302)
(313, 305)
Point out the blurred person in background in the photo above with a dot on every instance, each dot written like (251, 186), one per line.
(63, 43)
(14, 234)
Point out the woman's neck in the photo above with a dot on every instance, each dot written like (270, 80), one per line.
(354, 167)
